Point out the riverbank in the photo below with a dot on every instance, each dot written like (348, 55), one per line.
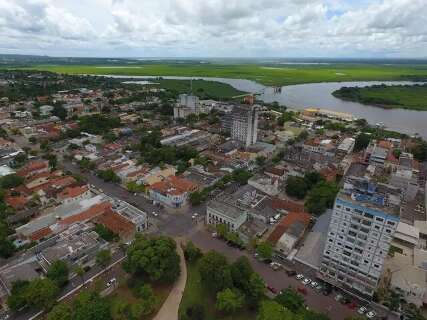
(411, 97)
(268, 74)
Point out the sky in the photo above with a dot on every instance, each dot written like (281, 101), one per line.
(215, 28)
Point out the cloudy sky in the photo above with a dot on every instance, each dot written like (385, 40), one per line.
(215, 28)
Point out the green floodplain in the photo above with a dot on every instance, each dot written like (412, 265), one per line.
(412, 97)
(269, 74)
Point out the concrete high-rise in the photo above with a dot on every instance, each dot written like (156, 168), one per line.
(244, 124)
(364, 219)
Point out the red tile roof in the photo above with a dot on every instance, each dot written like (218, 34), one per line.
(115, 223)
(33, 166)
(72, 192)
(174, 185)
(40, 234)
(287, 205)
(286, 222)
(89, 214)
(17, 202)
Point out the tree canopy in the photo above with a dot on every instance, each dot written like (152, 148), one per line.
(58, 272)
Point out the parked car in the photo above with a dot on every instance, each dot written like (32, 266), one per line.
(111, 282)
(313, 284)
(338, 297)
(299, 276)
(306, 281)
(214, 234)
(155, 214)
(275, 266)
(362, 310)
(371, 314)
(352, 305)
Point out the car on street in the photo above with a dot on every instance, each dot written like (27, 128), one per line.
(275, 266)
(214, 234)
(155, 214)
(338, 297)
(313, 284)
(371, 314)
(362, 310)
(306, 281)
(272, 289)
(299, 276)
(195, 215)
(111, 282)
(319, 287)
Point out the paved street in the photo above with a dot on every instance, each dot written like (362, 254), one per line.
(179, 223)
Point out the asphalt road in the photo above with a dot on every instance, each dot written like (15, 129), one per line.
(179, 223)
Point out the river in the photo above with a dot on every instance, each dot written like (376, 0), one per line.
(319, 95)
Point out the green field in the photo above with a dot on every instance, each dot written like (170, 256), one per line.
(203, 89)
(265, 74)
(406, 97)
(195, 294)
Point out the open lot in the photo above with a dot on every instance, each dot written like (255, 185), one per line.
(266, 74)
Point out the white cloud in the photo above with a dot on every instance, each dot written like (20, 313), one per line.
(215, 27)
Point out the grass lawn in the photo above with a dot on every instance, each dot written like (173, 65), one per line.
(195, 294)
(265, 74)
(406, 97)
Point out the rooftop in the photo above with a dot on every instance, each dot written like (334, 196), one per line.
(286, 225)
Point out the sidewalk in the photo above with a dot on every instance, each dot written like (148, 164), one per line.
(169, 310)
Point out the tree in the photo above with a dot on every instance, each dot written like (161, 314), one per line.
(191, 252)
(221, 230)
(215, 271)
(108, 176)
(241, 176)
(155, 257)
(41, 293)
(229, 300)
(362, 141)
(296, 187)
(195, 312)
(255, 289)
(291, 300)
(148, 299)
(241, 271)
(312, 178)
(60, 112)
(271, 310)
(260, 160)
(89, 305)
(60, 312)
(420, 151)
(265, 250)
(16, 300)
(11, 181)
(312, 315)
(321, 197)
(81, 273)
(58, 272)
(103, 258)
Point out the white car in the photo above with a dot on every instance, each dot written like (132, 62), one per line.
(371, 314)
(362, 310)
(306, 281)
(299, 276)
(111, 282)
(155, 214)
(313, 284)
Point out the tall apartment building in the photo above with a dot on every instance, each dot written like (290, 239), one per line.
(364, 219)
(244, 124)
(186, 105)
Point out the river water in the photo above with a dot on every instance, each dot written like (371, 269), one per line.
(319, 95)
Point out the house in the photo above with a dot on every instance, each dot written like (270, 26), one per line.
(156, 175)
(34, 167)
(289, 231)
(117, 224)
(265, 183)
(72, 194)
(172, 191)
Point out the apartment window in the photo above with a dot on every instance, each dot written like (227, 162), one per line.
(348, 247)
(388, 230)
(358, 211)
(367, 223)
(391, 223)
(368, 215)
(376, 266)
(348, 239)
(352, 233)
(377, 227)
(338, 206)
(358, 250)
(348, 254)
(347, 209)
(365, 261)
(379, 219)
(364, 230)
(354, 226)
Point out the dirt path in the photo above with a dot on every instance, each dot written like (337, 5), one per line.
(169, 310)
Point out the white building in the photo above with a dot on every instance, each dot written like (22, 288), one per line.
(218, 212)
(244, 126)
(187, 104)
(364, 219)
